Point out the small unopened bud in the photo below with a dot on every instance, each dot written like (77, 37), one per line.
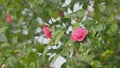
(8, 18)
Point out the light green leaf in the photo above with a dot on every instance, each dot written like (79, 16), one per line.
(81, 57)
(85, 58)
(3, 37)
(55, 57)
(99, 27)
(1, 7)
(114, 27)
(11, 61)
(76, 25)
(68, 42)
(89, 58)
(78, 14)
(1, 61)
(106, 54)
(45, 50)
(65, 52)
(39, 47)
(59, 36)
(5, 45)
(3, 29)
(96, 64)
(53, 14)
(72, 15)
(72, 62)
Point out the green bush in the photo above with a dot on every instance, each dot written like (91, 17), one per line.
(23, 44)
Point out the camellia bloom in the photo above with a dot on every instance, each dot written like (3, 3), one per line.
(79, 34)
(46, 31)
(8, 18)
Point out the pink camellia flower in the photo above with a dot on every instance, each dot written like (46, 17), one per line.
(79, 34)
(8, 18)
(47, 32)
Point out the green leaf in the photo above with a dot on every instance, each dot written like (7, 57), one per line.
(1, 7)
(54, 58)
(32, 65)
(11, 62)
(68, 42)
(99, 27)
(81, 65)
(5, 45)
(78, 14)
(106, 54)
(1, 61)
(59, 36)
(76, 25)
(114, 27)
(86, 2)
(87, 43)
(39, 47)
(96, 64)
(3, 29)
(81, 57)
(32, 57)
(55, 34)
(3, 38)
(71, 15)
(54, 14)
(64, 65)
(85, 58)
(97, 12)
(89, 58)
(65, 52)
(45, 50)
(72, 62)
(43, 60)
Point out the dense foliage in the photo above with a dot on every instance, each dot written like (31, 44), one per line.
(22, 21)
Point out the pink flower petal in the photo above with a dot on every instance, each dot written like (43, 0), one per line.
(79, 34)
